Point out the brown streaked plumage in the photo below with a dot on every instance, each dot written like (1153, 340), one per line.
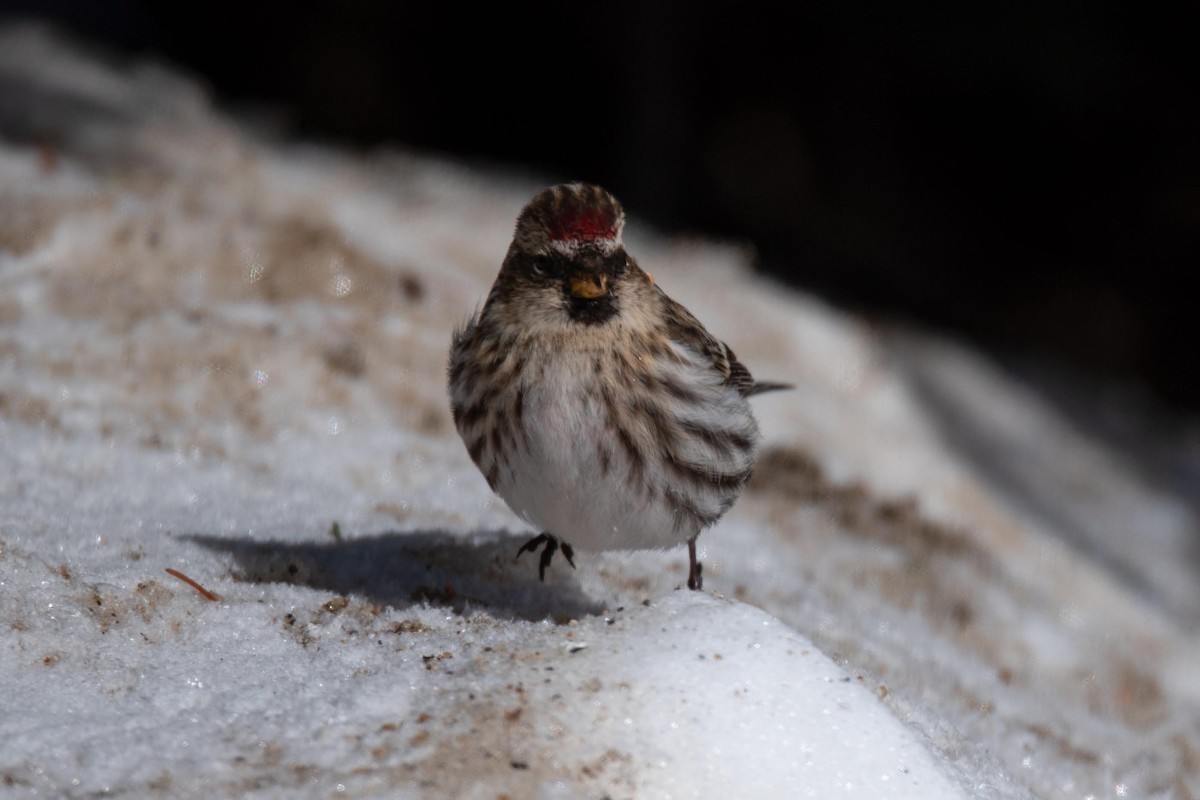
(599, 408)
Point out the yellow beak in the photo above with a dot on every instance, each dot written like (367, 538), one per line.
(588, 286)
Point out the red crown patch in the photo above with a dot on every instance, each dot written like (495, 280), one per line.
(582, 224)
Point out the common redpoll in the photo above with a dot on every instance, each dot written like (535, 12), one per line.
(599, 408)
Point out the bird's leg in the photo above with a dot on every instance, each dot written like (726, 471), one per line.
(695, 568)
(547, 554)
(550, 546)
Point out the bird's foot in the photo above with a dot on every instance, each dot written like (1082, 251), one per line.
(551, 546)
(695, 568)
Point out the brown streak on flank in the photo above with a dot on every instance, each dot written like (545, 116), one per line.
(474, 412)
(456, 370)
(624, 372)
(605, 458)
(496, 361)
(678, 390)
(668, 444)
(475, 449)
(518, 406)
(632, 453)
(673, 355)
(725, 441)
(517, 418)
(493, 437)
(700, 476)
(515, 366)
(495, 440)
(637, 466)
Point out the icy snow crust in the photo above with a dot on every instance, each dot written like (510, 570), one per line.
(226, 357)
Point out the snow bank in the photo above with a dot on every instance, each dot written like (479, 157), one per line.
(152, 689)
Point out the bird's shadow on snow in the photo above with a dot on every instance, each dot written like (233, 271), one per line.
(411, 568)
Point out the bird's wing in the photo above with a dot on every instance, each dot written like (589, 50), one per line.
(684, 328)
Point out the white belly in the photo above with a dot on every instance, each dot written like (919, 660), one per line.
(573, 477)
(559, 485)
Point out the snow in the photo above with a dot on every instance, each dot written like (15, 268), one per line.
(691, 696)
(225, 357)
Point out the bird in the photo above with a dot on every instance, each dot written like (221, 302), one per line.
(601, 410)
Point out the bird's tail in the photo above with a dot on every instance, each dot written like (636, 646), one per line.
(766, 386)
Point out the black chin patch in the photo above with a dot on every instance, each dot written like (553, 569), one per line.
(592, 312)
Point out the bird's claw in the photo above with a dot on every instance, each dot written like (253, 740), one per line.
(551, 546)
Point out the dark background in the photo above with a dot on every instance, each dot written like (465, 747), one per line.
(1025, 174)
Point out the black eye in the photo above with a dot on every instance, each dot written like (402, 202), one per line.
(540, 266)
